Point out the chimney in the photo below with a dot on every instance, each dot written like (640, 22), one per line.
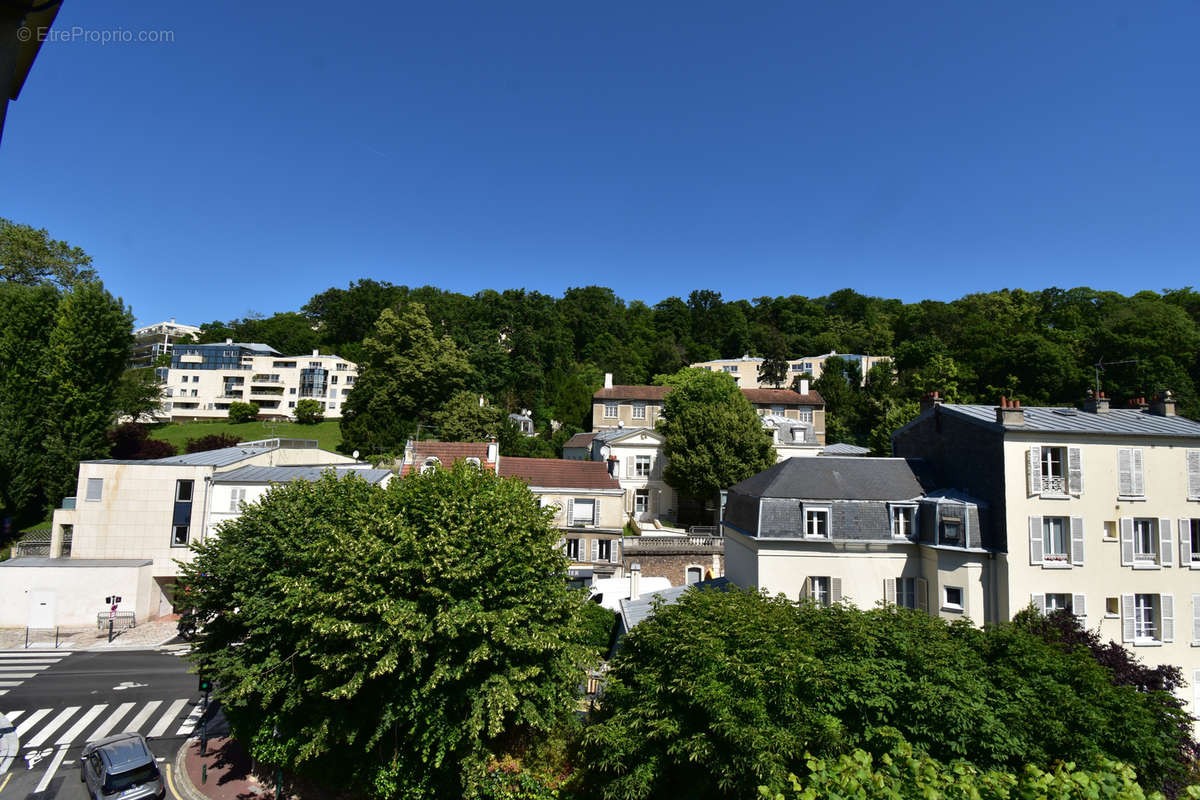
(1164, 404)
(608, 380)
(1095, 403)
(635, 580)
(930, 400)
(613, 463)
(316, 353)
(1009, 412)
(493, 453)
(229, 341)
(804, 386)
(1138, 403)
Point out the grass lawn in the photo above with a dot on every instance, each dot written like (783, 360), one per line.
(177, 433)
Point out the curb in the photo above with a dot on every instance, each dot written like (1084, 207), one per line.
(187, 789)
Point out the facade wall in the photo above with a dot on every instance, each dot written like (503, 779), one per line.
(79, 592)
(745, 370)
(673, 565)
(625, 418)
(661, 498)
(274, 382)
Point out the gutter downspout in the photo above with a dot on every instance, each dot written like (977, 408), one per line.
(204, 512)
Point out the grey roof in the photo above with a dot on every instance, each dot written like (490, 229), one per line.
(76, 562)
(634, 611)
(844, 449)
(1121, 421)
(608, 434)
(840, 478)
(257, 347)
(303, 473)
(208, 458)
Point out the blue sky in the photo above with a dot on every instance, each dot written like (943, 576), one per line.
(906, 150)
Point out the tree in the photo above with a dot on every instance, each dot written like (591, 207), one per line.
(132, 440)
(407, 661)
(242, 412)
(212, 441)
(408, 373)
(773, 371)
(139, 394)
(29, 256)
(466, 417)
(726, 691)
(309, 411)
(713, 438)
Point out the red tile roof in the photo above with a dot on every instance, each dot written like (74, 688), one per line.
(446, 453)
(558, 473)
(760, 396)
(633, 393)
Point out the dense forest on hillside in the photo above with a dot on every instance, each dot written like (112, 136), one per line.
(548, 354)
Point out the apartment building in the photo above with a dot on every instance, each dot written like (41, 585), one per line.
(1096, 511)
(205, 378)
(152, 341)
(744, 370)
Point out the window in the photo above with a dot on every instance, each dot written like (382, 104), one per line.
(1130, 478)
(195, 392)
(430, 465)
(1192, 460)
(1058, 602)
(1053, 478)
(473, 461)
(641, 501)
(1145, 541)
(820, 590)
(179, 536)
(779, 411)
(816, 522)
(291, 403)
(1148, 618)
(1054, 538)
(573, 549)
(610, 410)
(1112, 606)
(1144, 617)
(951, 532)
(906, 592)
(641, 467)
(952, 598)
(236, 498)
(1055, 471)
(583, 512)
(183, 491)
(902, 521)
(292, 390)
(333, 379)
(95, 488)
(603, 550)
(729, 368)
(333, 405)
(639, 409)
(350, 379)
(805, 414)
(1189, 543)
(694, 575)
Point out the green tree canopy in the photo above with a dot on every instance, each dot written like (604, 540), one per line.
(712, 436)
(397, 637)
(464, 419)
(29, 256)
(309, 411)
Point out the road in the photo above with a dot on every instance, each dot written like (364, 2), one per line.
(58, 701)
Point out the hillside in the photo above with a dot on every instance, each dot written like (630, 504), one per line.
(177, 433)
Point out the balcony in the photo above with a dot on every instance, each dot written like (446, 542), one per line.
(694, 542)
(68, 504)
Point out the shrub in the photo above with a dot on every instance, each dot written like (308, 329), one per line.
(598, 624)
(243, 412)
(309, 412)
(132, 440)
(211, 441)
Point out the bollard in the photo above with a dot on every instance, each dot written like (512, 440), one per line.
(203, 774)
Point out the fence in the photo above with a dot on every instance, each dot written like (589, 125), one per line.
(120, 619)
(31, 636)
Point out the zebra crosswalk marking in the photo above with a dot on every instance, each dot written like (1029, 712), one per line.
(12, 715)
(142, 716)
(78, 728)
(26, 666)
(112, 720)
(167, 718)
(48, 730)
(192, 720)
(28, 723)
(34, 654)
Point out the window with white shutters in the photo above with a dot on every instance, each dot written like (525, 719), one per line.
(1055, 471)
(236, 498)
(1130, 478)
(1148, 619)
(1193, 474)
(641, 468)
(583, 512)
(573, 549)
(1196, 619)
(1189, 543)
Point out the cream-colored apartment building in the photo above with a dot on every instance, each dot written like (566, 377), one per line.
(744, 370)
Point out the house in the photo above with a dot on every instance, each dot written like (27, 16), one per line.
(524, 422)
(588, 510)
(635, 458)
(579, 446)
(1096, 511)
(861, 530)
(204, 379)
(128, 524)
(744, 370)
(237, 487)
(431, 454)
(152, 341)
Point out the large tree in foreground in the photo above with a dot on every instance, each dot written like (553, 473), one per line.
(29, 256)
(713, 437)
(395, 639)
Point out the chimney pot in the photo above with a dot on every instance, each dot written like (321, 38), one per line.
(804, 386)
(608, 380)
(1010, 414)
(1095, 403)
(929, 401)
(1164, 404)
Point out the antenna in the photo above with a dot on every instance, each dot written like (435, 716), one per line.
(1099, 367)
(272, 427)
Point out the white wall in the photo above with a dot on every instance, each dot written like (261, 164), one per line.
(79, 592)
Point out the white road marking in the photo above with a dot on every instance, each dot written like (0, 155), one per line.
(32, 720)
(51, 726)
(120, 687)
(189, 724)
(25, 666)
(142, 716)
(11, 684)
(165, 721)
(78, 728)
(3, 691)
(50, 770)
(112, 721)
(25, 674)
(33, 654)
(12, 715)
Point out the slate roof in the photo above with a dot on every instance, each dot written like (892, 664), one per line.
(208, 458)
(759, 396)
(840, 478)
(1045, 419)
(634, 611)
(608, 434)
(559, 473)
(289, 474)
(580, 439)
(844, 449)
(257, 347)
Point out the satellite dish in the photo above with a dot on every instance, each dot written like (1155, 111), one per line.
(355, 455)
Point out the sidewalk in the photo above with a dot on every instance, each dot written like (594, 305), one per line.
(233, 775)
(146, 635)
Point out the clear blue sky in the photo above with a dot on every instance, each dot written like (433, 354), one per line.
(906, 150)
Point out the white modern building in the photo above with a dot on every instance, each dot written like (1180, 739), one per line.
(152, 341)
(205, 378)
(744, 370)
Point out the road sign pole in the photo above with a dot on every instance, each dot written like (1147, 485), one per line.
(110, 629)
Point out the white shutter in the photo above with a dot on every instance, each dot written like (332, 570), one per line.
(614, 551)
(1037, 543)
(1127, 618)
(1185, 542)
(596, 512)
(630, 461)
(1124, 472)
(922, 594)
(595, 550)
(1035, 470)
(1193, 474)
(1166, 612)
(806, 589)
(1126, 541)
(570, 512)
(889, 591)
(835, 590)
(1139, 477)
(1079, 605)
(1039, 603)
(1166, 543)
(1077, 541)
(1074, 471)
(1196, 619)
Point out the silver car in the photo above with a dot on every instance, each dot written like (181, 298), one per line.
(120, 766)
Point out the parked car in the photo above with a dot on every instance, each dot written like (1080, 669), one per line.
(120, 766)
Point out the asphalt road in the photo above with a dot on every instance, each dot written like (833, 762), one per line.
(57, 702)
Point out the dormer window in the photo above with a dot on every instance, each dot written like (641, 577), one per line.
(430, 464)
(474, 462)
(903, 519)
(951, 532)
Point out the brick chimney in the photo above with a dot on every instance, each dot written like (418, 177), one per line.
(1009, 412)
(1164, 404)
(1095, 403)
(1138, 403)
(930, 400)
